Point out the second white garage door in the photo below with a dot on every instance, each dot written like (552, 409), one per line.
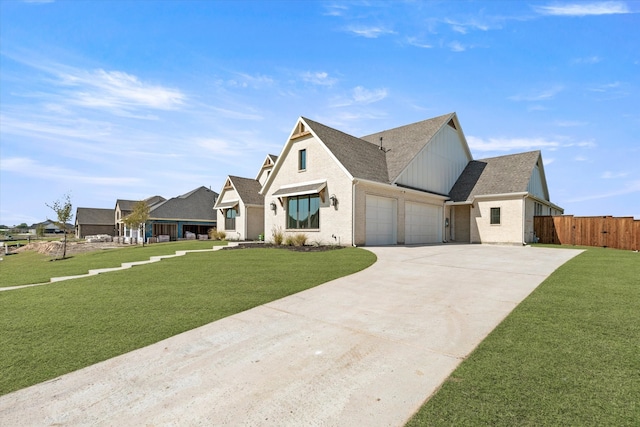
(422, 223)
(381, 213)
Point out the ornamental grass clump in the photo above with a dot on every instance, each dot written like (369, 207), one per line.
(299, 239)
(278, 235)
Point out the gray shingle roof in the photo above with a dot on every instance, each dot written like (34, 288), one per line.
(495, 175)
(361, 158)
(248, 190)
(95, 216)
(196, 204)
(405, 142)
(126, 205)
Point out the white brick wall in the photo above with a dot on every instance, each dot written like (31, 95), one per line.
(334, 221)
(510, 228)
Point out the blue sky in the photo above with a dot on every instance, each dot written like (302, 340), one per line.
(129, 99)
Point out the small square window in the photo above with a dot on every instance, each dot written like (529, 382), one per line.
(302, 159)
(495, 216)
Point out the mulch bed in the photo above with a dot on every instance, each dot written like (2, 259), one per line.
(320, 248)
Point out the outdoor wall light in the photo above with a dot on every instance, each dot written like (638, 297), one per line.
(272, 206)
(333, 200)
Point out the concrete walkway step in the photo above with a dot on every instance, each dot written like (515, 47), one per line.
(123, 266)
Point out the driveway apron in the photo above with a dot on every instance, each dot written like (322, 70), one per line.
(366, 349)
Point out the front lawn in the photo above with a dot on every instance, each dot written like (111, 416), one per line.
(31, 267)
(567, 355)
(57, 328)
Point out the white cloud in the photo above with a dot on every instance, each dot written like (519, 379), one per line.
(366, 96)
(319, 78)
(587, 60)
(257, 81)
(629, 188)
(464, 27)
(542, 95)
(231, 114)
(569, 123)
(32, 168)
(457, 47)
(585, 9)
(605, 87)
(613, 175)
(413, 41)
(509, 144)
(361, 96)
(580, 159)
(370, 32)
(117, 90)
(335, 9)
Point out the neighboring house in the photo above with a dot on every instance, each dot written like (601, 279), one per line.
(395, 187)
(93, 221)
(188, 213)
(49, 227)
(240, 207)
(124, 208)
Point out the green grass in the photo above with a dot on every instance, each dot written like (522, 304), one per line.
(31, 267)
(60, 327)
(567, 355)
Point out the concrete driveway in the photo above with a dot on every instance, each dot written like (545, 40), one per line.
(366, 349)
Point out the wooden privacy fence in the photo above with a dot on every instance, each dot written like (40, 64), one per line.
(603, 231)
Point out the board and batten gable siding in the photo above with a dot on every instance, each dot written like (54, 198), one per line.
(511, 221)
(321, 166)
(536, 187)
(437, 167)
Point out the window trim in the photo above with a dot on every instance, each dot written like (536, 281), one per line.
(491, 216)
(308, 198)
(230, 220)
(302, 160)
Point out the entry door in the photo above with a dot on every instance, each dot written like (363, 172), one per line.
(422, 223)
(381, 213)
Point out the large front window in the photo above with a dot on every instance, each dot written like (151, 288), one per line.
(230, 219)
(303, 211)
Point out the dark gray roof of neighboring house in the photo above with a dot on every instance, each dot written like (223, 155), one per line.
(154, 200)
(273, 157)
(361, 158)
(405, 142)
(495, 175)
(126, 205)
(95, 216)
(248, 190)
(196, 205)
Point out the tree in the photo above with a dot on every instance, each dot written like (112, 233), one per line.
(63, 212)
(138, 217)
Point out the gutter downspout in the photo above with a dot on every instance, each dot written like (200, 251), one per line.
(524, 218)
(353, 212)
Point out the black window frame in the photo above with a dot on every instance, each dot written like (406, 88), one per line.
(230, 219)
(309, 209)
(493, 215)
(302, 159)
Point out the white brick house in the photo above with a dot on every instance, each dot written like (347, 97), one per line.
(415, 184)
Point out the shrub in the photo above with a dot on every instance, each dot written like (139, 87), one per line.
(214, 234)
(299, 239)
(288, 241)
(278, 235)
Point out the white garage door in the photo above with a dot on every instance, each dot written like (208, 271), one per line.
(422, 223)
(381, 226)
